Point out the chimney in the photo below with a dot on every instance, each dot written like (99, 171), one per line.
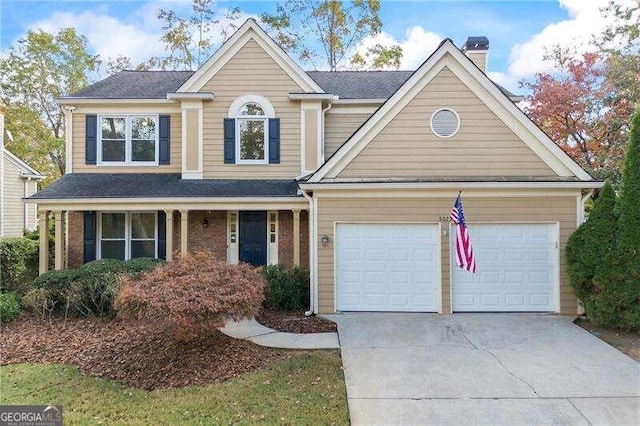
(477, 49)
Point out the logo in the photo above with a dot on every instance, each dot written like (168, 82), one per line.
(30, 415)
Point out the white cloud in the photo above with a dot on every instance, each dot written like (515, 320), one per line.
(417, 45)
(584, 22)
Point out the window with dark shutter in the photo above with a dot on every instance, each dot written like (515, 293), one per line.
(89, 239)
(229, 141)
(91, 138)
(274, 140)
(164, 131)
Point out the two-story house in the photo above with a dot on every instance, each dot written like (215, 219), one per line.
(352, 174)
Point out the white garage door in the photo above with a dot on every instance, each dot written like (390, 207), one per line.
(387, 267)
(516, 270)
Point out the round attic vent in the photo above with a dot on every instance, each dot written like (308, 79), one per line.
(445, 123)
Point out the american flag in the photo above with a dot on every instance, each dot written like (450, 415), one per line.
(464, 251)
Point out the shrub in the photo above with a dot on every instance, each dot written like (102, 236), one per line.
(287, 288)
(9, 307)
(588, 247)
(192, 295)
(86, 291)
(18, 263)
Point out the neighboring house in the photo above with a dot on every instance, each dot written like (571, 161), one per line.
(351, 173)
(18, 180)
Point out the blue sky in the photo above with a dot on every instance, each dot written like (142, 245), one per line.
(519, 31)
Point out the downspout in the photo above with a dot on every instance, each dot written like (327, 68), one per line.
(312, 245)
(324, 113)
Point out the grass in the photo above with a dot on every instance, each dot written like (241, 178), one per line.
(307, 389)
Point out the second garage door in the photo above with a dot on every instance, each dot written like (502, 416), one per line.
(516, 270)
(387, 267)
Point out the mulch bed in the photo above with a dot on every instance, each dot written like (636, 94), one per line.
(137, 355)
(625, 341)
(294, 322)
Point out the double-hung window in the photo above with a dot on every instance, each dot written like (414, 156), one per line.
(128, 235)
(128, 139)
(252, 130)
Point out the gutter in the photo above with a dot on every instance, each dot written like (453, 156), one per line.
(312, 252)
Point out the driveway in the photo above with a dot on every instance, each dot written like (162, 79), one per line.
(483, 369)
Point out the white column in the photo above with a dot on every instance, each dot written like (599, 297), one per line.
(58, 259)
(44, 241)
(184, 231)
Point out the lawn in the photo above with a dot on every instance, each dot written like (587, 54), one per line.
(306, 389)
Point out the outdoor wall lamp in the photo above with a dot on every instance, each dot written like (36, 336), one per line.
(325, 240)
(205, 223)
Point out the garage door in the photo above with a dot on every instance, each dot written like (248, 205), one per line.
(387, 267)
(516, 270)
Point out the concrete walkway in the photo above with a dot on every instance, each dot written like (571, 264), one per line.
(498, 369)
(265, 336)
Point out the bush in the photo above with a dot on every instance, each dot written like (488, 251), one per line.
(86, 291)
(192, 295)
(287, 288)
(18, 263)
(9, 307)
(592, 242)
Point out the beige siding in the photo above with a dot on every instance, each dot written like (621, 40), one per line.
(428, 210)
(311, 139)
(338, 128)
(12, 207)
(484, 145)
(251, 71)
(175, 159)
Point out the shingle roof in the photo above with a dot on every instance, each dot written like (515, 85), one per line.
(156, 84)
(135, 85)
(161, 185)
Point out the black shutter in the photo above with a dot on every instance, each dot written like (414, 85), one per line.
(163, 139)
(89, 251)
(229, 140)
(162, 235)
(274, 141)
(91, 138)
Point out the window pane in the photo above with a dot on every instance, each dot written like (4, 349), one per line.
(112, 250)
(143, 150)
(251, 109)
(113, 128)
(113, 150)
(143, 128)
(251, 140)
(143, 249)
(113, 225)
(143, 226)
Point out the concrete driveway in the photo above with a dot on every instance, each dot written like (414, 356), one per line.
(483, 369)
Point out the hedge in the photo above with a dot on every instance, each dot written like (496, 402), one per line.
(287, 287)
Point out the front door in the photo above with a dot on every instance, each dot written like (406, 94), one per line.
(253, 237)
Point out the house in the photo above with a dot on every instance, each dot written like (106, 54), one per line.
(353, 174)
(18, 180)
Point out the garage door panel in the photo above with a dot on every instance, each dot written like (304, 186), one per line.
(516, 269)
(395, 270)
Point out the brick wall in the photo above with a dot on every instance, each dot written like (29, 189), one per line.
(75, 249)
(285, 238)
(213, 238)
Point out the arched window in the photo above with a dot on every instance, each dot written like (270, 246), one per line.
(252, 114)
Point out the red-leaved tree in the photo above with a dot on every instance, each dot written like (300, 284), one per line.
(579, 107)
(192, 295)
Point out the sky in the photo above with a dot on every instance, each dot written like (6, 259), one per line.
(519, 31)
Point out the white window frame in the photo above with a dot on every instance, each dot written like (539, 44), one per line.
(128, 142)
(127, 233)
(234, 112)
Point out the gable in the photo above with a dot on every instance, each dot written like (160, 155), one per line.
(449, 56)
(483, 146)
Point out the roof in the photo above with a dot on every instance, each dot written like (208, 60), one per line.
(25, 169)
(156, 84)
(161, 185)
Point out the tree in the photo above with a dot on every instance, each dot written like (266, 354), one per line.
(629, 201)
(189, 39)
(324, 33)
(36, 71)
(591, 243)
(581, 110)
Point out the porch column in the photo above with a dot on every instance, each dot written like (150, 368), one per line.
(169, 234)
(184, 231)
(44, 241)
(58, 260)
(296, 237)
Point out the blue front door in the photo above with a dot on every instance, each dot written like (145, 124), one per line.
(253, 237)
